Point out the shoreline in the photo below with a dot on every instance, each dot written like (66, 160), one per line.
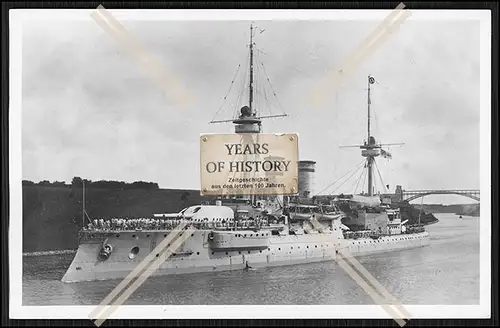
(45, 253)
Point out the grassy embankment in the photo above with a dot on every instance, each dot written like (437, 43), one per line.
(459, 209)
(52, 216)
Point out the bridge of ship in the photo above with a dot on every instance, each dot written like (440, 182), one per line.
(409, 195)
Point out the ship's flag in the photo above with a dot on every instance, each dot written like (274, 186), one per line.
(385, 154)
(371, 79)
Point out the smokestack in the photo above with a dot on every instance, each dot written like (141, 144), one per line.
(306, 178)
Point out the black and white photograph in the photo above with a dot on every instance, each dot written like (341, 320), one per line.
(379, 196)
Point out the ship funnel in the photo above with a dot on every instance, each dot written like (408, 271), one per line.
(306, 178)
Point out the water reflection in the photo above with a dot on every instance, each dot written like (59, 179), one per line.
(446, 272)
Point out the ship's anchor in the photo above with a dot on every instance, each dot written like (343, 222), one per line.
(106, 251)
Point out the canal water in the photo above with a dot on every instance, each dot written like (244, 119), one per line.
(446, 272)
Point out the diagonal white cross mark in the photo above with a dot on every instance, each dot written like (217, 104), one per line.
(147, 61)
(363, 278)
(367, 48)
(153, 69)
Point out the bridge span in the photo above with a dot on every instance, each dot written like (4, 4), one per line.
(409, 195)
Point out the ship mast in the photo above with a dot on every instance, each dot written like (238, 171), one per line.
(370, 158)
(83, 203)
(370, 148)
(248, 121)
(250, 85)
(369, 103)
(253, 198)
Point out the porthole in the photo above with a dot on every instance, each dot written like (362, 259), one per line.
(117, 236)
(248, 252)
(133, 252)
(133, 236)
(197, 253)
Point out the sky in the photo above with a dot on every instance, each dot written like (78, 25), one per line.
(89, 110)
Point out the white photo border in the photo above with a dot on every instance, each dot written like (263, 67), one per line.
(18, 311)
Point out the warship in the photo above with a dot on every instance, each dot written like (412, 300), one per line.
(249, 232)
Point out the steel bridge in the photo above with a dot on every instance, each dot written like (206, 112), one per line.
(409, 195)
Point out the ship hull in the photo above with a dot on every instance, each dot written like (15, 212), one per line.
(196, 255)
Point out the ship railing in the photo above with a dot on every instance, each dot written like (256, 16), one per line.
(145, 223)
(360, 234)
(163, 224)
(197, 225)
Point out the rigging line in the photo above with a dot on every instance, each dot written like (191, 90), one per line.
(268, 102)
(354, 182)
(359, 180)
(258, 87)
(230, 87)
(334, 182)
(268, 105)
(374, 112)
(359, 167)
(264, 96)
(255, 84)
(354, 169)
(272, 89)
(364, 182)
(243, 89)
(346, 180)
(380, 176)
